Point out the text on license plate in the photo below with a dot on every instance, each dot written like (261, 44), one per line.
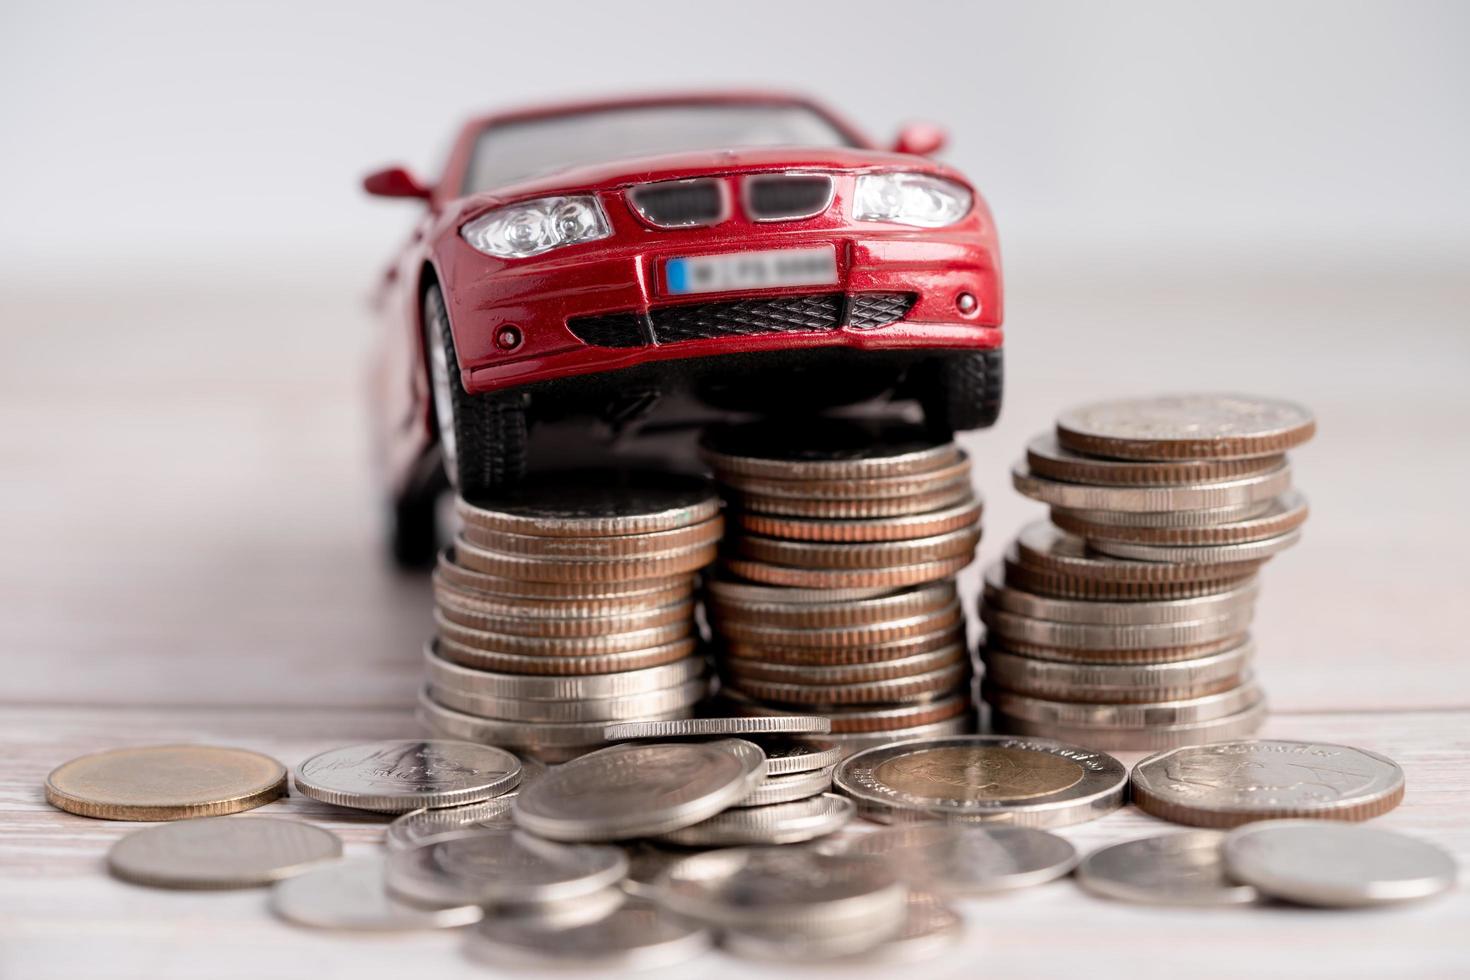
(752, 270)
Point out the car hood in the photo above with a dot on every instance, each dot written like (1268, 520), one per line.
(614, 174)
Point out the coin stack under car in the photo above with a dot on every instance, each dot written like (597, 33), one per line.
(1123, 623)
(835, 593)
(566, 604)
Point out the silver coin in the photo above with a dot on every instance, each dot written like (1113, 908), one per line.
(785, 789)
(824, 449)
(572, 711)
(1171, 518)
(1112, 682)
(353, 895)
(531, 687)
(1000, 595)
(786, 887)
(777, 823)
(1142, 738)
(1210, 554)
(405, 774)
(1126, 715)
(732, 591)
(566, 913)
(1230, 783)
(686, 727)
(640, 790)
(1336, 865)
(1240, 491)
(638, 935)
(852, 743)
(1028, 782)
(1094, 636)
(596, 503)
(539, 738)
(1208, 426)
(221, 852)
(787, 754)
(1169, 869)
(423, 826)
(966, 859)
(928, 927)
(493, 866)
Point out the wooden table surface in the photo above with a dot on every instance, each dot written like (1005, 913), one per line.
(190, 554)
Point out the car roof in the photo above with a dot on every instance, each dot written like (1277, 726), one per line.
(704, 97)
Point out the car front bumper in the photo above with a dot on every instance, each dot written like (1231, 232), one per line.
(538, 297)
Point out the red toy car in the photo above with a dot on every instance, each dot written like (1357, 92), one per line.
(750, 250)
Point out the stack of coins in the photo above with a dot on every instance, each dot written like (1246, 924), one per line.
(835, 592)
(567, 604)
(1123, 622)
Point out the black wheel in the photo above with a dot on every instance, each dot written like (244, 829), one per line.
(483, 437)
(413, 533)
(962, 391)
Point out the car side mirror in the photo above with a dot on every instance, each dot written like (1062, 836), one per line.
(920, 139)
(394, 182)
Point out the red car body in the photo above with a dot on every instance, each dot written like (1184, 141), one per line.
(510, 316)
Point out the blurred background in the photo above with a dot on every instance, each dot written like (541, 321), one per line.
(1266, 197)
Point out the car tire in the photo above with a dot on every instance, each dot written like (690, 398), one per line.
(483, 437)
(962, 391)
(413, 531)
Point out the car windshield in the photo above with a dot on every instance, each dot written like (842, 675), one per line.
(513, 150)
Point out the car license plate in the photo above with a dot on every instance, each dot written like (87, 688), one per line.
(752, 270)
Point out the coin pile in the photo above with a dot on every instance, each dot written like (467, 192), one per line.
(568, 603)
(835, 591)
(1122, 623)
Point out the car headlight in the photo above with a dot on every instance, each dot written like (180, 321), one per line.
(910, 199)
(519, 231)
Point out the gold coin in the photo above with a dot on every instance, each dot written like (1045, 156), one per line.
(165, 782)
(982, 772)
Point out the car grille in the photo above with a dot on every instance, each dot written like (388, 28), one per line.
(786, 197)
(680, 203)
(742, 318)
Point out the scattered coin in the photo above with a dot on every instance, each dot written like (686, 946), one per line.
(786, 754)
(566, 913)
(165, 782)
(1169, 869)
(778, 823)
(594, 503)
(402, 775)
(422, 826)
(966, 859)
(493, 866)
(790, 888)
(853, 743)
(784, 789)
(784, 724)
(353, 895)
(638, 935)
(1027, 782)
(221, 852)
(640, 790)
(1231, 783)
(1336, 865)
